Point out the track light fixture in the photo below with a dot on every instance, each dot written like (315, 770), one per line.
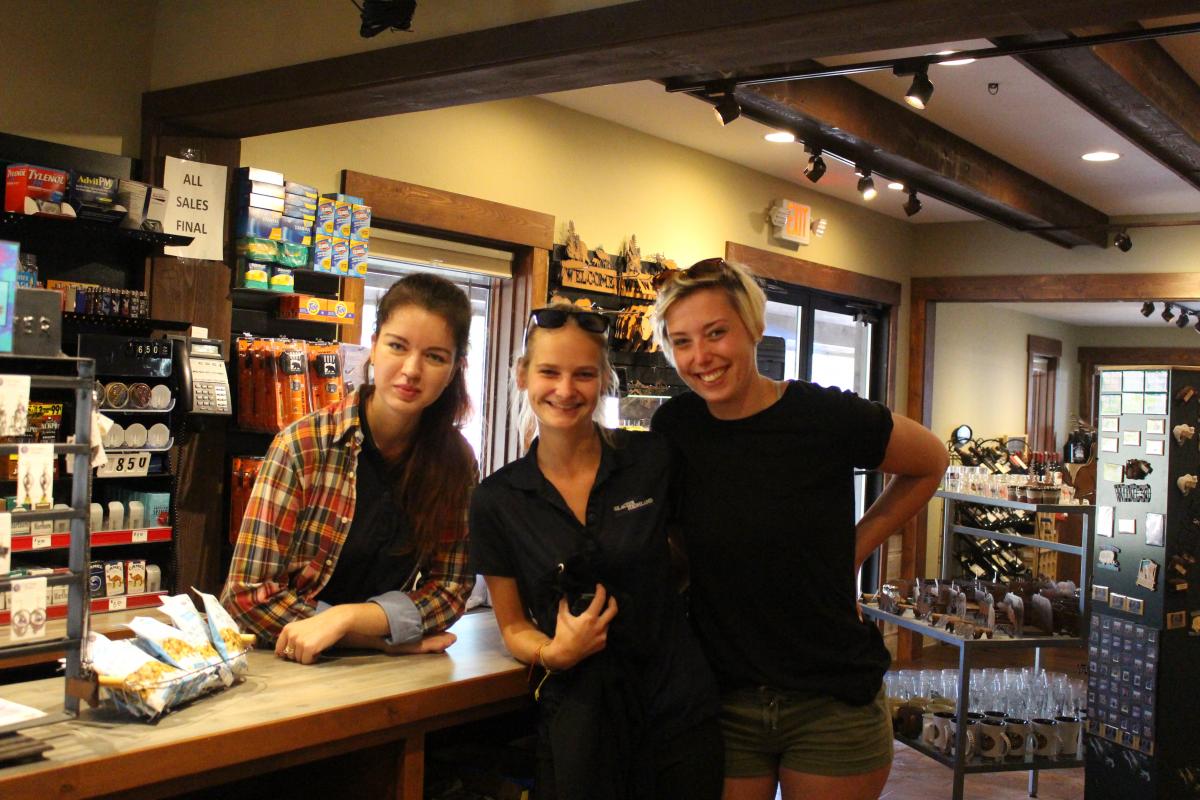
(1123, 242)
(913, 205)
(818, 226)
(919, 91)
(816, 166)
(866, 185)
(1167, 314)
(1182, 322)
(1147, 308)
(727, 108)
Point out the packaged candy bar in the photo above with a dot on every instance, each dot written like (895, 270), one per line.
(137, 682)
(224, 632)
(182, 612)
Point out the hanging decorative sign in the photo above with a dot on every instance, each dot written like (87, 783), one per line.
(791, 221)
(580, 270)
(1132, 492)
(196, 207)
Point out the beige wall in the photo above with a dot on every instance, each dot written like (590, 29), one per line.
(74, 72)
(253, 35)
(984, 248)
(612, 181)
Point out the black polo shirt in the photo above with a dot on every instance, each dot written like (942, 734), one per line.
(522, 528)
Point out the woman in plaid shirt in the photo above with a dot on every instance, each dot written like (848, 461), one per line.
(355, 533)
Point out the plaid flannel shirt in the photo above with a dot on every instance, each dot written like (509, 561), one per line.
(297, 520)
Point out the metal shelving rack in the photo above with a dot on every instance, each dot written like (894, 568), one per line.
(79, 551)
(968, 649)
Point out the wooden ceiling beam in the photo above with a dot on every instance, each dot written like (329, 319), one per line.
(1136, 89)
(627, 42)
(839, 115)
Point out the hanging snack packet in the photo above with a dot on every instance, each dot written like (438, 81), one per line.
(134, 680)
(182, 612)
(230, 642)
(171, 645)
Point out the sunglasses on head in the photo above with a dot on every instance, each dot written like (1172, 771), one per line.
(709, 268)
(555, 317)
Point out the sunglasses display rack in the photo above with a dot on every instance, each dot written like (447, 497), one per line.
(1144, 638)
(974, 639)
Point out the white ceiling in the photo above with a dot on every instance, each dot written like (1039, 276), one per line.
(1027, 123)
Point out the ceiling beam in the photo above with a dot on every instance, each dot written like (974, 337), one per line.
(627, 42)
(845, 118)
(1136, 89)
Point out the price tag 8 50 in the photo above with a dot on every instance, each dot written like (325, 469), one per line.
(122, 465)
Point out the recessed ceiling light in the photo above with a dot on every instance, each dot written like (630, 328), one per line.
(957, 62)
(1101, 155)
(896, 186)
(780, 136)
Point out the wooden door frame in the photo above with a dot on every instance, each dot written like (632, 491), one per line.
(926, 293)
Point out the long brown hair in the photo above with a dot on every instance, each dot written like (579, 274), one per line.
(433, 488)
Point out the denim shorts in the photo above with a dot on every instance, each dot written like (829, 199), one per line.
(765, 729)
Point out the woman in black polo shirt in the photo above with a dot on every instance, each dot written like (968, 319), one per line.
(572, 539)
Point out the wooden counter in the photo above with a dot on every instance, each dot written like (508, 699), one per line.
(283, 714)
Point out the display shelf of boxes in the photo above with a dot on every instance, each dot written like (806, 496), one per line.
(78, 376)
(969, 649)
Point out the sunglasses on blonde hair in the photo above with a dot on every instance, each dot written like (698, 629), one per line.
(553, 317)
(710, 270)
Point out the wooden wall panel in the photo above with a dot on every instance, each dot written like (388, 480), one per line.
(439, 213)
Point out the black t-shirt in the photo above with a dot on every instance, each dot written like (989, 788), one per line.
(767, 506)
(522, 528)
(377, 556)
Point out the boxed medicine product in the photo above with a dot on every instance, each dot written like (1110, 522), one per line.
(30, 189)
(263, 201)
(250, 174)
(282, 280)
(301, 189)
(252, 274)
(301, 205)
(325, 216)
(94, 197)
(339, 259)
(260, 187)
(10, 253)
(295, 231)
(341, 219)
(292, 256)
(360, 223)
(258, 223)
(321, 255)
(358, 258)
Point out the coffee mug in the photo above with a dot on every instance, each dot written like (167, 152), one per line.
(1017, 731)
(1045, 738)
(931, 731)
(992, 741)
(944, 720)
(997, 715)
(1068, 735)
(971, 743)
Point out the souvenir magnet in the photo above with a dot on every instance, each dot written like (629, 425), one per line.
(1186, 484)
(1131, 438)
(1107, 558)
(1154, 530)
(1109, 424)
(1099, 593)
(1104, 521)
(1176, 620)
(1126, 526)
(1185, 395)
(1147, 575)
(1156, 447)
(1156, 426)
(1183, 432)
(35, 475)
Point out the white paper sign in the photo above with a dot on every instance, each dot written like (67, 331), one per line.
(196, 207)
(14, 404)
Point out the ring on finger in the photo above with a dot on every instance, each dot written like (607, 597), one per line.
(289, 651)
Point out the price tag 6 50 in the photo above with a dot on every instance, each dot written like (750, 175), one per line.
(121, 465)
(116, 603)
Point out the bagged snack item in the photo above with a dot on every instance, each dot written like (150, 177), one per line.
(231, 642)
(172, 646)
(183, 613)
(136, 681)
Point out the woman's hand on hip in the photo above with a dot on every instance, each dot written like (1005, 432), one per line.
(579, 636)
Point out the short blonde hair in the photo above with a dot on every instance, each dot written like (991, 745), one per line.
(609, 382)
(744, 293)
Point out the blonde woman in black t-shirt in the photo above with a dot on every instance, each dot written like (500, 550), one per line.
(572, 540)
(767, 506)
